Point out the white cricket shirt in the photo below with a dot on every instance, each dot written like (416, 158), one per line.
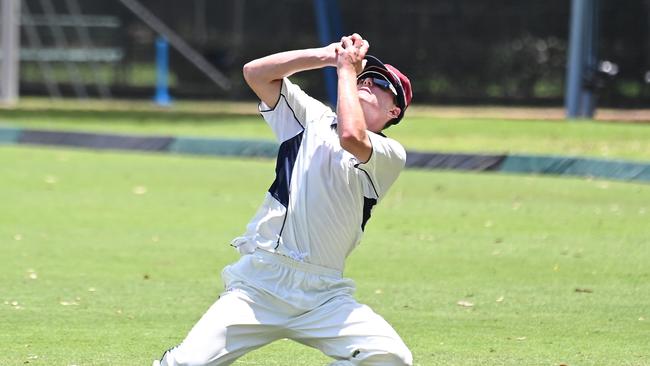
(317, 208)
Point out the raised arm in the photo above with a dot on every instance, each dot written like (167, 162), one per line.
(351, 121)
(264, 75)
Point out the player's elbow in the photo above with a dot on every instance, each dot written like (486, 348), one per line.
(351, 138)
(255, 73)
(357, 145)
(250, 72)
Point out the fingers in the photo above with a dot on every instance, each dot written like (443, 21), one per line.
(352, 51)
(347, 41)
(364, 47)
(354, 40)
(357, 41)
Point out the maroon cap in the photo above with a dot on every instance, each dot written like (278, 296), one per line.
(400, 82)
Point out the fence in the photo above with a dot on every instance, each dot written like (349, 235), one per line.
(456, 52)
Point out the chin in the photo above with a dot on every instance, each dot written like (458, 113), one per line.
(369, 106)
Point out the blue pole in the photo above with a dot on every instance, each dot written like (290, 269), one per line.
(162, 97)
(328, 23)
(575, 62)
(588, 100)
(336, 24)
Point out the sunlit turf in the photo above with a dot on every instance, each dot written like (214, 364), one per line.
(110, 258)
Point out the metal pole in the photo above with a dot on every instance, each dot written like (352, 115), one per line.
(336, 22)
(10, 52)
(588, 98)
(162, 70)
(575, 62)
(582, 61)
(328, 22)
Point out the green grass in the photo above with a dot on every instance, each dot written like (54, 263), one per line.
(420, 132)
(109, 258)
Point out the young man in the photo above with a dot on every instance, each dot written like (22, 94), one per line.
(332, 168)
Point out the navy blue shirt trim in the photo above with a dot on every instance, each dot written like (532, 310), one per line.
(284, 167)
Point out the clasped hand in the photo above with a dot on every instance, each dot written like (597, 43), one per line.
(351, 52)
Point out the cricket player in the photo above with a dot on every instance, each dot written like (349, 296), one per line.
(332, 169)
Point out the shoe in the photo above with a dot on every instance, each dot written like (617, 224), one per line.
(156, 363)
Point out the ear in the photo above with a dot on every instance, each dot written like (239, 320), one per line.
(394, 112)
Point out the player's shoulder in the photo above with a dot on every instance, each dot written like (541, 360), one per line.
(381, 138)
(293, 92)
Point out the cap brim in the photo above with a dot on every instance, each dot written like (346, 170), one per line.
(374, 61)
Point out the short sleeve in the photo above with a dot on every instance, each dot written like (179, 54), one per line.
(293, 112)
(386, 162)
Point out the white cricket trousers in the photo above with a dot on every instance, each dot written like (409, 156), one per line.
(269, 297)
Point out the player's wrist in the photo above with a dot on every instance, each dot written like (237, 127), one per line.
(346, 68)
(327, 54)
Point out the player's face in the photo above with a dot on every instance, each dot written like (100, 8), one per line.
(378, 101)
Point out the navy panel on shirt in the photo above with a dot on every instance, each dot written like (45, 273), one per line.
(283, 169)
(368, 204)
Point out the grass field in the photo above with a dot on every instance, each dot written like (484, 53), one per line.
(110, 258)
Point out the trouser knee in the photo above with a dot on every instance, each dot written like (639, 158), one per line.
(398, 357)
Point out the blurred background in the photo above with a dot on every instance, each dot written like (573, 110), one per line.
(502, 52)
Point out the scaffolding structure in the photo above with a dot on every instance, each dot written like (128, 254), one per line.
(74, 49)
